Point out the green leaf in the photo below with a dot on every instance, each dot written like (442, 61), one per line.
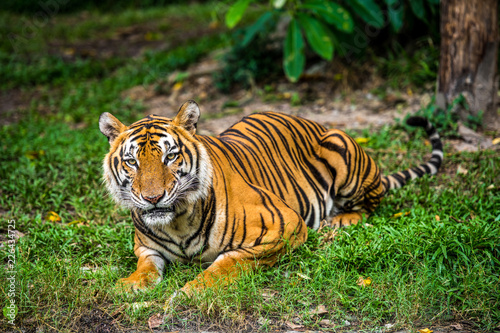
(235, 13)
(396, 18)
(331, 13)
(369, 11)
(317, 36)
(417, 6)
(255, 28)
(395, 13)
(293, 57)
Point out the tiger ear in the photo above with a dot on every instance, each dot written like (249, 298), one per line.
(110, 126)
(188, 116)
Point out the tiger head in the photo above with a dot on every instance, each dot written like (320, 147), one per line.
(156, 166)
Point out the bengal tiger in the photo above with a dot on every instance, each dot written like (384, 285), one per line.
(240, 199)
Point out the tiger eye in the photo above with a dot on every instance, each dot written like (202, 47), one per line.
(171, 156)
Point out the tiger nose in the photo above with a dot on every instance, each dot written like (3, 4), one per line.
(154, 199)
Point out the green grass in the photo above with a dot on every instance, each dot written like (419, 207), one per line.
(28, 35)
(425, 271)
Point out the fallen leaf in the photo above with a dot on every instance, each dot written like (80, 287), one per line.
(425, 330)
(326, 323)
(495, 141)
(305, 277)
(462, 170)
(491, 187)
(52, 217)
(457, 326)
(141, 305)
(155, 321)
(401, 214)
(293, 326)
(362, 140)
(364, 282)
(319, 310)
(437, 218)
(177, 86)
(33, 155)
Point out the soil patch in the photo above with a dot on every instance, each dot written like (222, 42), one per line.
(95, 321)
(13, 105)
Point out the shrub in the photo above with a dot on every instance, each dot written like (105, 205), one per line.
(326, 23)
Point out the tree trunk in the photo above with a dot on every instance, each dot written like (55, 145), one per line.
(468, 61)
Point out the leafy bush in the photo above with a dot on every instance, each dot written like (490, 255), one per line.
(248, 60)
(325, 24)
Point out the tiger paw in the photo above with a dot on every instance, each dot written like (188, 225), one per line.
(134, 284)
(126, 285)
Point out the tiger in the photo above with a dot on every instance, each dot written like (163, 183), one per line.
(238, 200)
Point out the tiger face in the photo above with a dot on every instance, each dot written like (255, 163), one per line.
(156, 166)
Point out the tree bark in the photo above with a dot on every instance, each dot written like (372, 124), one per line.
(468, 61)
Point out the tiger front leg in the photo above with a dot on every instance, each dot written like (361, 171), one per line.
(353, 209)
(148, 273)
(230, 265)
(357, 186)
(225, 269)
